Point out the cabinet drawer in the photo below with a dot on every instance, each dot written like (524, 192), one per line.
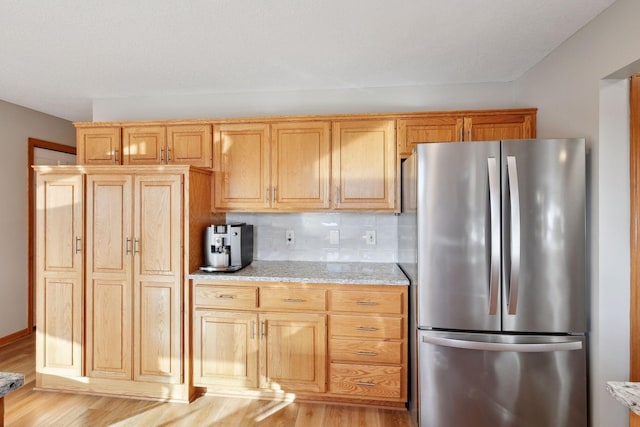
(292, 299)
(365, 351)
(366, 380)
(366, 302)
(226, 296)
(365, 327)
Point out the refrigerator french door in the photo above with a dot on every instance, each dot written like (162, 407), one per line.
(500, 259)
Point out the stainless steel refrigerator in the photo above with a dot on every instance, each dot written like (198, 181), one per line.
(492, 236)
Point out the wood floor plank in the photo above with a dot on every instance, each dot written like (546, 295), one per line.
(310, 416)
(27, 407)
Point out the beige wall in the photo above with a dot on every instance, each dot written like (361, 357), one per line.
(574, 100)
(17, 124)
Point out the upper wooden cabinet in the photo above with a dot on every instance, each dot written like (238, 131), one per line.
(189, 145)
(297, 163)
(428, 129)
(99, 146)
(241, 166)
(285, 166)
(364, 164)
(499, 126)
(145, 145)
(300, 165)
(465, 126)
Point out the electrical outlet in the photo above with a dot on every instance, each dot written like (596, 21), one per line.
(290, 236)
(334, 237)
(370, 237)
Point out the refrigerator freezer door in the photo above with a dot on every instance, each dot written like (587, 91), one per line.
(543, 213)
(458, 228)
(485, 380)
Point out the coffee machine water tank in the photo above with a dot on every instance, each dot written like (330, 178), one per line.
(227, 247)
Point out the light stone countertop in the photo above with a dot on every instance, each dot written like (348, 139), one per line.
(627, 393)
(10, 382)
(349, 273)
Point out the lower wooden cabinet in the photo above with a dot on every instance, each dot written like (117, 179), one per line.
(323, 342)
(292, 351)
(225, 348)
(368, 343)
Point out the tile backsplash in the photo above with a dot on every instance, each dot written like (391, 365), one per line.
(312, 240)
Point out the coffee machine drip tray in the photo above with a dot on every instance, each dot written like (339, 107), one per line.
(227, 269)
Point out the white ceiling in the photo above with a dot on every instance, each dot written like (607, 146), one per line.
(58, 56)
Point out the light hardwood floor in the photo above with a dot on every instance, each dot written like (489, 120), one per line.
(27, 407)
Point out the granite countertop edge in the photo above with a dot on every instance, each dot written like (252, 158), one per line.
(627, 393)
(347, 273)
(10, 382)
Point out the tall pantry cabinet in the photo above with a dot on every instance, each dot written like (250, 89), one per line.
(138, 232)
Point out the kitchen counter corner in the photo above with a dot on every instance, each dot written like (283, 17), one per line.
(10, 382)
(627, 393)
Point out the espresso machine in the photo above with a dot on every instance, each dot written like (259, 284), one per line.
(227, 247)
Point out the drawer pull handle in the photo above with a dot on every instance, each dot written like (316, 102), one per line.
(366, 353)
(223, 296)
(293, 300)
(366, 383)
(366, 328)
(366, 303)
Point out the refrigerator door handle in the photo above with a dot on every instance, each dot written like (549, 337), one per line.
(494, 225)
(514, 205)
(491, 346)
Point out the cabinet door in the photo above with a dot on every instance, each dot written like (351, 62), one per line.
(144, 145)
(241, 163)
(427, 129)
(59, 270)
(300, 165)
(364, 164)
(292, 351)
(108, 277)
(157, 278)
(225, 347)
(189, 145)
(499, 126)
(99, 146)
